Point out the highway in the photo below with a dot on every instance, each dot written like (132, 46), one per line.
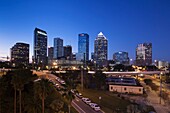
(77, 103)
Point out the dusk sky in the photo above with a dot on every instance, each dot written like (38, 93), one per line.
(125, 23)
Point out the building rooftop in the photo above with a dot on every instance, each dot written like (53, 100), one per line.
(100, 35)
(122, 81)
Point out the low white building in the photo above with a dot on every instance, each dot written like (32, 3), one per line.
(164, 65)
(126, 89)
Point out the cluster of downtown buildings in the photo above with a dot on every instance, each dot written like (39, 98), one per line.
(63, 55)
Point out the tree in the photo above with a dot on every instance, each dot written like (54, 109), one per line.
(42, 89)
(19, 79)
(6, 92)
(32, 105)
(119, 67)
(70, 97)
(100, 78)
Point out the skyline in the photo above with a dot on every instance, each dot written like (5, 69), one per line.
(124, 23)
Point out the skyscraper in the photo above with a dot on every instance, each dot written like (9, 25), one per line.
(144, 54)
(83, 47)
(100, 50)
(92, 55)
(58, 48)
(121, 58)
(68, 52)
(50, 55)
(40, 48)
(20, 55)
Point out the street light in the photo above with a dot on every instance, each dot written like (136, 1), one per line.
(100, 99)
(160, 87)
(121, 84)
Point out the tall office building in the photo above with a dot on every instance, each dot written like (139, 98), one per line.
(68, 52)
(100, 50)
(83, 47)
(144, 54)
(58, 48)
(121, 58)
(20, 55)
(50, 55)
(40, 48)
(74, 56)
(92, 55)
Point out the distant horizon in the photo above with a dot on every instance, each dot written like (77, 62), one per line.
(125, 24)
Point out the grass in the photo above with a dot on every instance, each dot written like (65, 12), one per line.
(73, 110)
(109, 102)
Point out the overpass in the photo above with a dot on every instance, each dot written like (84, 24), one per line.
(132, 72)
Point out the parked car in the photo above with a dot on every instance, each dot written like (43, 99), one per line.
(57, 85)
(87, 101)
(79, 95)
(72, 91)
(96, 107)
(91, 104)
(84, 99)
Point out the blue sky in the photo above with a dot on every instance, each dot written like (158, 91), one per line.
(125, 23)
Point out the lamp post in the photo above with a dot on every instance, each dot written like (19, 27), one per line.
(121, 85)
(95, 66)
(100, 99)
(160, 87)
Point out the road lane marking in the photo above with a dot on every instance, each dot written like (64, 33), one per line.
(78, 107)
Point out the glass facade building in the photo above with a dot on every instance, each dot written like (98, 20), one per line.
(20, 55)
(83, 47)
(58, 48)
(40, 47)
(101, 50)
(121, 58)
(144, 54)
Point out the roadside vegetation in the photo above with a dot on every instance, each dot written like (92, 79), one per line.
(151, 84)
(20, 93)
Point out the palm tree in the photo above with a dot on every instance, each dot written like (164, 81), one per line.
(1, 93)
(42, 89)
(19, 79)
(15, 85)
(32, 105)
(69, 98)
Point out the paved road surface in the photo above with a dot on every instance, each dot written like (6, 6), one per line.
(81, 107)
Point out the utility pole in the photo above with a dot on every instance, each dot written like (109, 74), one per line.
(82, 77)
(82, 71)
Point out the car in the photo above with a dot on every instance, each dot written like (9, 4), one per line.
(79, 95)
(91, 104)
(72, 91)
(96, 107)
(87, 101)
(57, 78)
(62, 82)
(84, 99)
(57, 85)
